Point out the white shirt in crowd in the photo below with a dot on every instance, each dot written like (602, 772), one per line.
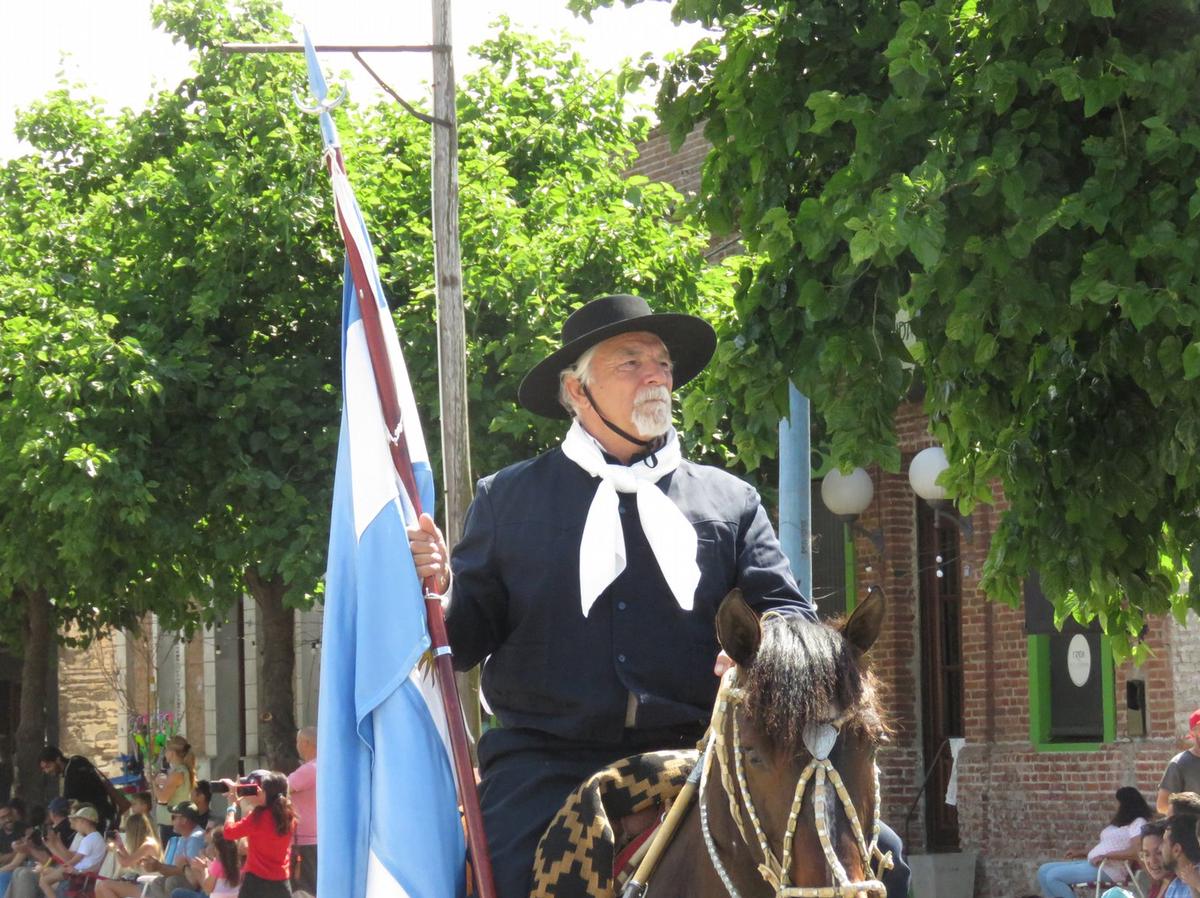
(1113, 840)
(93, 848)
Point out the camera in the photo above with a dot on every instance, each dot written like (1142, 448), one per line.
(218, 787)
(243, 788)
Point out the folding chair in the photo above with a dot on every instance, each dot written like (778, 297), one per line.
(1131, 881)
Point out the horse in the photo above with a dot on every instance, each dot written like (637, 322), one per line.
(793, 738)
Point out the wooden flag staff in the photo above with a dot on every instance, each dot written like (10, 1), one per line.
(452, 372)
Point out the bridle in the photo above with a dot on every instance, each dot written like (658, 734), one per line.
(819, 739)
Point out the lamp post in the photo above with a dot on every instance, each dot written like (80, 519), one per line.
(847, 496)
(923, 472)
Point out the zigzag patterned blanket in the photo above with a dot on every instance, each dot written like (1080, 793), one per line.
(575, 856)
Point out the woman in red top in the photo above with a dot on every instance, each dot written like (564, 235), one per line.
(268, 831)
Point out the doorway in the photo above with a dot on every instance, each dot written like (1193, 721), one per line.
(940, 583)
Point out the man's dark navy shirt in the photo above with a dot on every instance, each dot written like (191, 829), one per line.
(515, 600)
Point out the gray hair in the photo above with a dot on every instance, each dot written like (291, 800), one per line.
(582, 372)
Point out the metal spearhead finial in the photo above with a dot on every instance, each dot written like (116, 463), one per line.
(320, 103)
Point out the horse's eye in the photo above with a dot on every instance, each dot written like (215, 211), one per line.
(753, 758)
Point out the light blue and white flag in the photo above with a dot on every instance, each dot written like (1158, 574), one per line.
(387, 809)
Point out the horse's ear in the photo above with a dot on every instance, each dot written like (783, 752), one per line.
(738, 629)
(863, 626)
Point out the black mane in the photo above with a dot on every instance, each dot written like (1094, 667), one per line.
(806, 671)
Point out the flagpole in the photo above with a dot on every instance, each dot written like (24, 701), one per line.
(464, 769)
(454, 445)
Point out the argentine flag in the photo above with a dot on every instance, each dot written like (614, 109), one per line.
(387, 808)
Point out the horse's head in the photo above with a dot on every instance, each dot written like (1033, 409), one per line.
(796, 749)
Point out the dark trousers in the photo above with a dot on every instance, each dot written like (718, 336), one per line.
(526, 776)
(304, 868)
(257, 887)
(896, 879)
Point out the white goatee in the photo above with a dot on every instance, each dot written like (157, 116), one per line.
(652, 412)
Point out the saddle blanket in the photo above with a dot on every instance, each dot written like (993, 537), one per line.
(575, 855)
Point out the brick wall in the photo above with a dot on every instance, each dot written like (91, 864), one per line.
(89, 705)
(1017, 807)
(680, 169)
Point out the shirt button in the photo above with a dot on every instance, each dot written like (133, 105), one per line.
(621, 658)
(620, 606)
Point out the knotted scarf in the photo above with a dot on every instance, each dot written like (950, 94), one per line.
(671, 536)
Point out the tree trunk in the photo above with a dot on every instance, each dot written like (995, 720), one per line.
(31, 729)
(277, 696)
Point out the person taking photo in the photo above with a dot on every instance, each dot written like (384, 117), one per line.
(268, 828)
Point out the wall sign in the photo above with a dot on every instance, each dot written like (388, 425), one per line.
(1079, 660)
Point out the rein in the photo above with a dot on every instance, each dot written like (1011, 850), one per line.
(819, 739)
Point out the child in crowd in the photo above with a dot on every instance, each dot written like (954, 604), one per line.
(218, 870)
(86, 854)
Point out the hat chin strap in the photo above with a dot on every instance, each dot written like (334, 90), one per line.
(613, 427)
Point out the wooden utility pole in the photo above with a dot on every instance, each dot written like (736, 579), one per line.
(452, 334)
(447, 268)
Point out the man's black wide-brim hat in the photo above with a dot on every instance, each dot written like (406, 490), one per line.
(690, 340)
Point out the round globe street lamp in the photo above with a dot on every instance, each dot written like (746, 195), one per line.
(847, 496)
(923, 472)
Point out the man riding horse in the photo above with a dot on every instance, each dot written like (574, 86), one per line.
(589, 577)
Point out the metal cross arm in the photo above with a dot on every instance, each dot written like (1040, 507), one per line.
(335, 48)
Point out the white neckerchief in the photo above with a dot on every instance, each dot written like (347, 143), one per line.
(671, 536)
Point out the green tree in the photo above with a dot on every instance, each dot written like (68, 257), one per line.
(90, 536)
(995, 202)
(212, 260)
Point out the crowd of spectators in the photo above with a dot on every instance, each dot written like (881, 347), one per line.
(167, 841)
(1164, 841)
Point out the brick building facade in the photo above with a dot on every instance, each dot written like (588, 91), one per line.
(212, 683)
(1024, 796)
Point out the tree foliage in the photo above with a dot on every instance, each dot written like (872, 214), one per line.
(79, 476)
(172, 314)
(998, 203)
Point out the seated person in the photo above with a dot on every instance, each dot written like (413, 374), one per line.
(86, 854)
(1184, 803)
(171, 871)
(139, 803)
(1150, 857)
(17, 855)
(11, 829)
(1119, 841)
(1180, 854)
(37, 856)
(139, 841)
